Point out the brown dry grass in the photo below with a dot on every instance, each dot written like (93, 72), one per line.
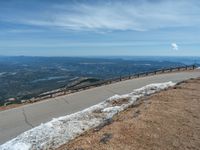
(167, 120)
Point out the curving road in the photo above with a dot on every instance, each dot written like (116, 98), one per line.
(17, 120)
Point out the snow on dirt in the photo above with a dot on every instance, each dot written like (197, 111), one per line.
(60, 130)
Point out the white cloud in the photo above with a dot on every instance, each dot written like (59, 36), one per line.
(115, 15)
(174, 46)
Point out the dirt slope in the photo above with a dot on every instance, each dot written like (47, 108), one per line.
(166, 120)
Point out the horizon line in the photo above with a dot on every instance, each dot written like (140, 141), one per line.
(97, 56)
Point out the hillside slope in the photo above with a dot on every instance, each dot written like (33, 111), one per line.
(166, 120)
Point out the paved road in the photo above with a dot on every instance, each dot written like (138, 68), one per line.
(17, 120)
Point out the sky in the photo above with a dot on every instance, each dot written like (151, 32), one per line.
(100, 27)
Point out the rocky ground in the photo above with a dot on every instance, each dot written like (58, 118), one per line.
(166, 120)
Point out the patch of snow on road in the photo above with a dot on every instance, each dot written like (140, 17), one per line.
(60, 130)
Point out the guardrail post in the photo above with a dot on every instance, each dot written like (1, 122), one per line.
(120, 78)
(193, 66)
(163, 70)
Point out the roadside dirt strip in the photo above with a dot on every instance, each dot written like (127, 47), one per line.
(166, 120)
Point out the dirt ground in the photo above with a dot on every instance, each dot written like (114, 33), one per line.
(163, 121)
(10, 106)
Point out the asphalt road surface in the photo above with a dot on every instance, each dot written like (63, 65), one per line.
(17, 120)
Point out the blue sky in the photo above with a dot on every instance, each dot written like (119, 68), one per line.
(100, 27)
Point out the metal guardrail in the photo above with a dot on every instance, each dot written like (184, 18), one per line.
(68, 90)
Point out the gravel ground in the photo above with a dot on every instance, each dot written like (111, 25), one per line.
(166, 120)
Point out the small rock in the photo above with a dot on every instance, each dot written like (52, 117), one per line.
(136, 114)
(106, 137)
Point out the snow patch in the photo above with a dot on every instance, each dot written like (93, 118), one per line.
(19, 146)
(60, 130)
